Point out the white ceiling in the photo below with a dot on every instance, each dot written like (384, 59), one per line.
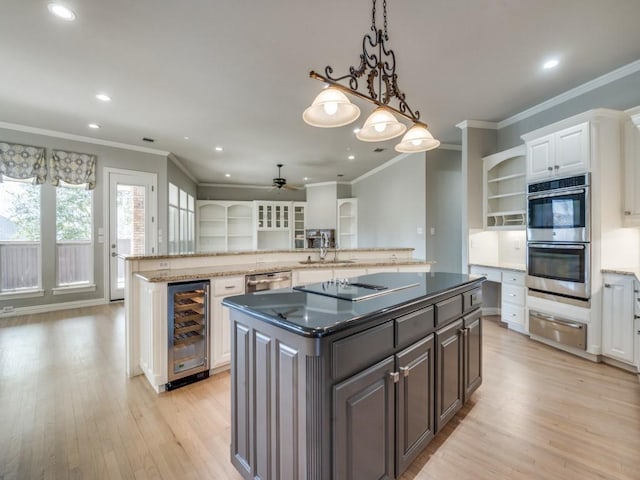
(235, 73)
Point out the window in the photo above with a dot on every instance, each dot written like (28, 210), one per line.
(181, 221)
(20, 258)
(74, 242)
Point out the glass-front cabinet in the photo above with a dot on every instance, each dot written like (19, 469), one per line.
(298, 225)
(273, 215)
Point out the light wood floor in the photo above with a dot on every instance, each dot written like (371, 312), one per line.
(68, 411)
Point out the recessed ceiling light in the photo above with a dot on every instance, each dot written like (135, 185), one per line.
(186, 138)
(550, 64)
(305, 178)
(103, 97)
(95, 126)
(218, 149)
(61, 11)
(351, 157)
(227, 175)
(356, 130)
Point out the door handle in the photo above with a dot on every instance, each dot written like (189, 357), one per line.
(114, 254)
(394, 376)
(405, 371)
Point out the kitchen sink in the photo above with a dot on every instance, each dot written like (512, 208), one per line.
(327, 262)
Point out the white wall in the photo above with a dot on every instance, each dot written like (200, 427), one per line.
(444, 209)
(391, 205)
(321, 205)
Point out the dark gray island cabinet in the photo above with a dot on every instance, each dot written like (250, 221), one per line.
(350, 381)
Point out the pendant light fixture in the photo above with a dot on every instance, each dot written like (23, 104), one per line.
(332, 107)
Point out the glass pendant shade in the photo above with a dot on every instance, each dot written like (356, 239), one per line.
(417, 139)
(331, 108)
(381, 125)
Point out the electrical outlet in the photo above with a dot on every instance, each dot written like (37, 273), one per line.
(7, 309)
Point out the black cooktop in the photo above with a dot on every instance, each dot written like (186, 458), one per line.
(353, 290)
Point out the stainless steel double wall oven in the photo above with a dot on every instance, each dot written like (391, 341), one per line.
(559, 237)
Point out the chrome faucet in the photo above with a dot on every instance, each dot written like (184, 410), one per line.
(324, 245)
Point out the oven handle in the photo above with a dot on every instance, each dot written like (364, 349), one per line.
(551, 319)
(253, 283)
(557, 194)
(561, 246)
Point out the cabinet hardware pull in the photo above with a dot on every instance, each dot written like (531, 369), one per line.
(607, 285)
(228, 286)
(512, 294)
(395, 376)
(627, 212)
(405, 371)
(636, 316)
(549, 168)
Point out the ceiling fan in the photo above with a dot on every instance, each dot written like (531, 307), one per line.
(280, 182)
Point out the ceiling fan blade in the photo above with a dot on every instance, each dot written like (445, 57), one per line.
(290, 187)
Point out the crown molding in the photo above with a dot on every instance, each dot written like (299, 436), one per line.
(477, 124)
(600, 81)
(379, 168)
(450, 146)
(176, 161)
(235, 185)
(80, 138)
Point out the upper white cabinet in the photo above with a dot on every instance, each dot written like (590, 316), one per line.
(618, 335)
(632, 171)
(558, 154)
(504, 189)
(224, 226)
(273, 215)
(347, 223)
(299, 225)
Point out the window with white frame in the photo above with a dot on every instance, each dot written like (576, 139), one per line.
(74, 240)
(20, 225)
(181, 237)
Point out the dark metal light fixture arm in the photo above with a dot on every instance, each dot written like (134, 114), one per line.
(414, 117)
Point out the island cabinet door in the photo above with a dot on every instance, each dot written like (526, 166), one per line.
(449, 372)
(415, 409)
(363, 424)
(472, 353)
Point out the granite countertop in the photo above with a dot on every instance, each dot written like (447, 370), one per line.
(314, 315)
(258, 252)
(516, 267)
(196, 273)
(624, 271)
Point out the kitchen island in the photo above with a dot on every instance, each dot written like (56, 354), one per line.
(348, 380)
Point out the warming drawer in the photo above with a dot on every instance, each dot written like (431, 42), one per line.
(566, 332)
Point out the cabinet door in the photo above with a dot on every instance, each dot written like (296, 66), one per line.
(472, 353)
(363, 424)
(572, 150)
(632, 174)
(221, 334)
(617, 317)
(449, 393)
(415, 417)
(540, 158)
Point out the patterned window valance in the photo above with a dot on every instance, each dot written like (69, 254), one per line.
(72, 168)
(23, 162)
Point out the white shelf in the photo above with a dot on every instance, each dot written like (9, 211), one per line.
(502, 214)
(212, 219)
(217, 235)
(506, 177)
(506, 195)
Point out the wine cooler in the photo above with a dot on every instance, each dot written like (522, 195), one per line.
(188, 352)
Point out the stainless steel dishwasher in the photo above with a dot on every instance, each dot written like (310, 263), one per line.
(267, 281)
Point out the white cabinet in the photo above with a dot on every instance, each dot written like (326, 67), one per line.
(632, 171)
(514, 300)
(347, 223)
(220, 323)
(618, 334)
(224, 226)
(303, 277)
(559, 153)
(299, 225)
(273, 215)
(504, 189)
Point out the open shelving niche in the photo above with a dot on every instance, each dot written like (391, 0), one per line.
(504, 180)
(225, 226)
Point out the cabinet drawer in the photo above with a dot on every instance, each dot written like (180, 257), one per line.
(491, 274)
(472, 299)
(448, 310)
(513, 294)
(512, 314)
(361, 350)
(513, 278)
(414, 326)
(228, 286)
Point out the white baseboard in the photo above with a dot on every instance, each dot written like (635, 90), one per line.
(490, 311)
(53, 307)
